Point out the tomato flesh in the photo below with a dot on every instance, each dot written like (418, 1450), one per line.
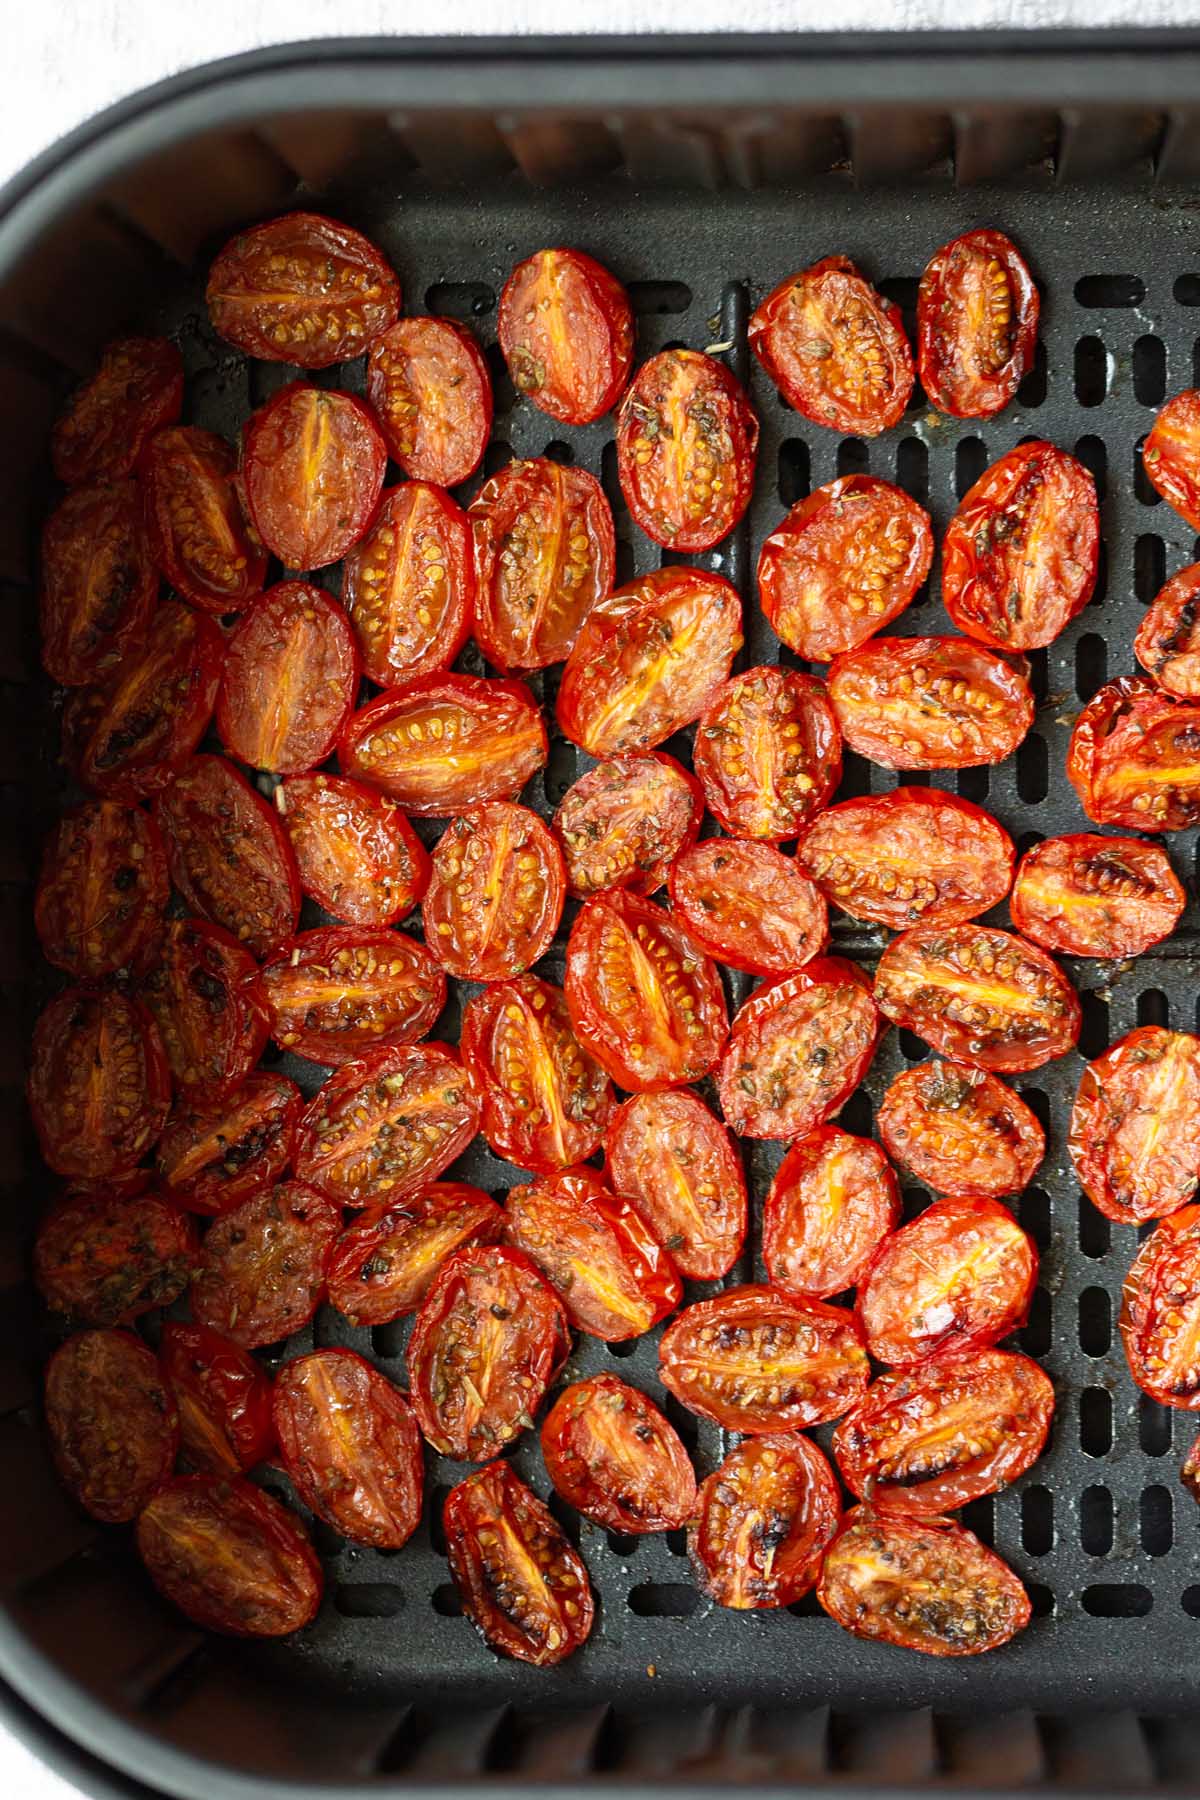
(623, 823)
(429, 386)
(1135, 1126)
(223, 1397)
(960, 1131)
(263, 1265)
(768, 753)
(495, 896)
(446, 742)
(832, 1203)
(687, 442)
(977, 320)
(338, 992)
(566, 329)
(1160, 1312)
(930, 703)
(408, 585)
(313, 462)
(1171, 455)
(228, 853)
(748, 905)
(113, 1428)
(198, 534)
(763, 1522)
(204, 993)
(99, 1086)
(98, 582)
(102, 888)
(211, 1158)
(1167, 643)
(676, 1162)
(1087, 895)
(357, 855)
(614, 1458)
(108, 421)
(104, 1257)
(290, 680)
(1134, 757)
(835, 348)
(385, 1263)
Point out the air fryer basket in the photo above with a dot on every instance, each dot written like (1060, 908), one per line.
(701, 173)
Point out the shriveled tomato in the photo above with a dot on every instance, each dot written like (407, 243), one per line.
(980, 996)
(755, 1360)
(430, 388)
(409, 584)
(521, 1583)
(338, 992)
(102, 888)
(1087, 895)
(763, 1522)
(228, 853)
(687, 442)
(545, 553)
(546, 1102)
(213, 1157)
(99, 1085)
(831, 1204)
(130, 736)
(668, 1154)
(198, 534)
(644, 999)
(388, 1124)
(446, 742)
(488, 1340)
(351, 1447)
(109, 420)
(614, 1276)
(1134, 757)
(301, 289)
(930, 703)
(1135, 1126)
(264, 1263)
(977, 321)
(929, 1439)
(357, 855)
(835, 348)
(768, 752)
(1160, 1312)
(384, 1264)
(1171, 455)
(924, 1584)
(960, 1276)
(313, 462)
(98, 582)
(566, 329)
(290, 680)
(1167, 643)
(113, 1428)
(204, 992)
(623, 823)
(614, 1458)
(844, 563)
(748, 905)
(223, 1397)
(230, 1557)
(495, 895)
(1189, 1474)
(798, 1049)
(104, 1257)
(960, 1131)
(914, 856)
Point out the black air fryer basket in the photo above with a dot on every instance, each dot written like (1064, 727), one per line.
(702, 172)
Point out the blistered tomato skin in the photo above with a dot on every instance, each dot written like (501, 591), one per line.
(198, 535)
(228, 853)
(687, 441)
(1167, 643)
(842, 564)
(676, 1162)
(102, 888)
(211, 1158)
(495, 894)
(1135, 1126)
(960, 1131)
(763, 1521)
(356, 853)
(103, 1257)
(107, 423)
(566, 329)
(98, 582)
(290, 680)
(748, 905)
(977, 320)
(614, 1458)
(408, 586)
(263, 1265)
(1171, 455)
(385, 1263)
(768, 753)
(99, 1084)
(1160, 1312)
(429, 386)
(313, 462)
(223, 1397)
(930, 703)
(338, 992)
(835, 348)
(203, 991)
(1134, 757)
(832, 1203)
(113, 1428)
(1087, 895)
(623, 823)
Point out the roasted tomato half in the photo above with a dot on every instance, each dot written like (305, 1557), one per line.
(749, 905)
(687, 440)
(98, 582)
(409, 585)
(198, 534)
(763, 1521)
(1189, 1474)
(831, 1204)
(301, 289)
(929, 1439)
(768, 753)
(1160, 1312)
(99, 1084)
(384, 1264)
(290, 680)
(109, 420)
(313, 462)
(228, 853)
(496, 890)
(1171, 455)
(429, 386)
(1135, 1125)
(546, 1101)
(924, 1584)
(211, 1158)
(979, 996)
(388, 1124)
(958, 1277)
(566, 329)
(649, 659)
(488, 1340)
(447, 742)
(623, 823)
(960, 1131)
(102, 888)
(351, 1446)
(798, 1049)
(1087, 895)
(1019, 557)
(357, 855)
(204, 992)
(1167, 643)
(614, 1458)
(338, 992)
(668, 1154)
(844, 563)
(263, 1265)
(114, 1431)
(521, 1583)
(1134, 757)
(103, 1257)
(915, 856)
(835, 348)
(757, 1360)
(614, 1277)
(644, 1000)
(223, 1397)
(230, 1557)
(930, 703)
(977, 320)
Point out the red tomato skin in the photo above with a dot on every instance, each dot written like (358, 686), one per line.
(254, 1284)
(488, 914)
(960, 1131)
(793, 710)
(748, 906)
(742, 1564)
(319, 984)
(82, 1131)
(1167, 640)
(220, 835)
(223, 1397)
(967, 392)
(651, 412)
(285, 519)
(103, 871)
(604, 1490)
(212, 1158)
(364, 1281)
(795, 360)
(377, 844)
(114, 1432)
(811, 992)
(994, 715)
(294, 625)
(1171, 455)
(101, 438)
(196, 981)
(103, 1256)
(1158, 1310)
(1087, 895)
(655, 798)
(1125, 727)
(199, 537)
(676, 1125)
(844, 1247)
(411, 439)
(98, 583)
(595, 324)
(1134, 1136)
(396, 645)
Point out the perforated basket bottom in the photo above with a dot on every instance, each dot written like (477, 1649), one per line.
(1100, 1529)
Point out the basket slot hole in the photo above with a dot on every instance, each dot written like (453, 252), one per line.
(504, 393)
(445, 1601)
(1147, 494)
(659, 296)
(1039, 673)
(1156, 1520)
(1196, 363)
(369, 1600)
(1032, 391)
(1093, 455)
(461, 299)
(626, 1347)
(1186, 291)
(1091, 665)
(686, 1424)
(853, 457)
(1095, 1322)
(1033, 1210)
(1154, 1426)
(974, 784)
(1094, 1234)
(663, 1600)
(1096, 1519)
(1033, 769)
(1093, 1032)
(1190, 1601)
(1038, 1102)
(856, 776)
(1037, 1520)
(1091, 371)
(1153, 1008)
(565, 1515)
(1037, 1330)
(1095, 1423)
(497, 456)
(979, 1516)
(561, 769)
(388, 1340)
(970, 460)
(1149, 566)
(913, 1201)
(795, 478)
(902, 291)
(1117, 1600)
(557, 451)
(1149, 370)
(857, 1116)
(1110, 290)
(1041, 1600)
(326, 1541)
(911, 1047)
(622, 1543)
(912, 469)
(676, 1542)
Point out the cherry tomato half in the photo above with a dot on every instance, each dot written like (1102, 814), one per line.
(1134, 757)
(833, 1201)
(104, 1257)
(351, 1447)
(385, 1263)
(109, 420)
(1167, 643)
(495, 894)
(960, 1131)
(798, 1049)
(263, 1264)
(614, 1458)
(687, 442)
(1087, 895)
(102, 888)
(211, 1158)
(99, 1085)
(446, 742)
(1171, 455)
(228, 853)
(748, 905)
(113, 1428)
(763, 1522)
(290, 680)
(1135, 1126)
(930, 703)
(313, 462)
(198, 535)
(1189, 1474)
(223, 1397)
(977, 320)
(623, 823)
(566, 329)
(1160, 1312)
(768, 752)
(338, 992)
(357, 855)
(844, 563)
(98, 583)
(430, 388)
(409, 585)
(204, 993)
(677, 1163)
(835, 348)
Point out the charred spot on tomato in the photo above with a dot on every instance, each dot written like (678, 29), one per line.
(101, 890)
(203, 990)
(212, 1157)
(1087, 895)
(1167, 643)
